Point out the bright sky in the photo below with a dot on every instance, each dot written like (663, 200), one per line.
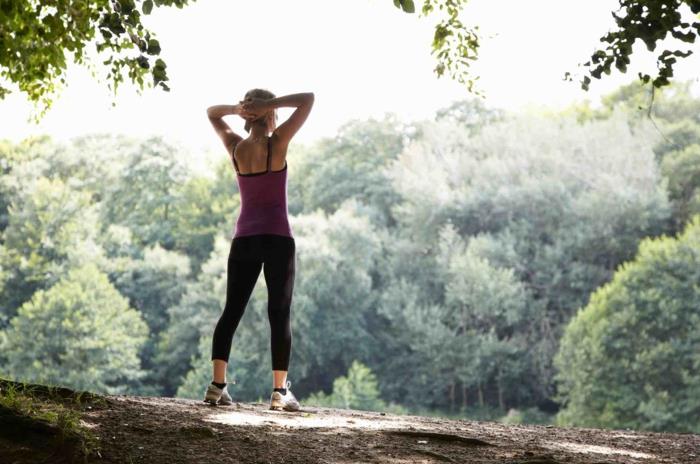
(361, 58)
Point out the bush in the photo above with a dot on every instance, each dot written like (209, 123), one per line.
(631, 357)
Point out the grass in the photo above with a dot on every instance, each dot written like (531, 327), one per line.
(31, 410)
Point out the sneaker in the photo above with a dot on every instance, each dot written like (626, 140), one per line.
(287, 402)
(215, 395)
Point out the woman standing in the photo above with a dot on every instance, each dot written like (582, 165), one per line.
(262, 234)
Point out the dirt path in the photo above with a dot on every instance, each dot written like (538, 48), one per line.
(133, 429)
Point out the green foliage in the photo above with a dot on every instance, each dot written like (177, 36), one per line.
(672, 103)
(650, 22)
(194, 316)
(338, 254)
(152, 285)
(9, 155)
(205, 207)
(51, 229)
(485, 309)
(352, 165)
(682, 169)
(39, 34)
(630, 358)
(462, 246)
(196, 380)
(542, 198)
(475, 336)
(470, 114)
(405, 5)
(145, 195)
(675, 113)
(455, 45)
(117, 241)
(676, 110)
(80, 332)
(356, 390)
(680, 133)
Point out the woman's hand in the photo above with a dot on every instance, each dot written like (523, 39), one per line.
(245, 114)
(256, 106)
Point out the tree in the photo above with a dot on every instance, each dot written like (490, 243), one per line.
(471, 114)
(356, 390)
(51, 229)
(678, 153)
(205, 208)
(80, 333)
(682, 169)
(351, 165)
(558, 203)
(151, 285)
(146, 194)
(193, 317)
(10, 155)
(333, 292)
(35, 36)
(453, 43)
(472, 338)
(631, 357)
(490, 306)
(33, 51)
(456, 45)
(650, 22)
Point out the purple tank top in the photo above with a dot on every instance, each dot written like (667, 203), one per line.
(263, 201)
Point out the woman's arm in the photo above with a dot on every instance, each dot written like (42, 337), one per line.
(218, 111)
(303, 103)
(228, 137)
(295, 100)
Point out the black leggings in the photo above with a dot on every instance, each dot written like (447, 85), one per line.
(246, 258)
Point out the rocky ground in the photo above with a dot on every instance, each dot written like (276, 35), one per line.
(133, 429)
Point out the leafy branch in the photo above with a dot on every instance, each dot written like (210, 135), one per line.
(35, 36)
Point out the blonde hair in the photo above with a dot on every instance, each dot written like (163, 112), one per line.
(265, 95)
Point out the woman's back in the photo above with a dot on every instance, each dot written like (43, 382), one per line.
(251, 156)
(263, 199)
(261, 168)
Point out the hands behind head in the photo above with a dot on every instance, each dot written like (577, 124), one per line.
(253, 108)
(243, 113)
(248, 116)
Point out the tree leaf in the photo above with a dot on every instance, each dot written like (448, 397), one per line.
(408, 6)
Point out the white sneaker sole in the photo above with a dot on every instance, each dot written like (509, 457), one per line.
(278, 405)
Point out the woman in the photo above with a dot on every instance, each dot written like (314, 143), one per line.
(262, 233)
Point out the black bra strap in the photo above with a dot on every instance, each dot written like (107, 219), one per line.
(268, 154)
(269, 151)
(234, 160)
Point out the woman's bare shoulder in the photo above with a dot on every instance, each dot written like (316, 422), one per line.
(242, 145)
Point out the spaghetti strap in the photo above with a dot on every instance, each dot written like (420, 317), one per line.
(268, 154)
(235, 164)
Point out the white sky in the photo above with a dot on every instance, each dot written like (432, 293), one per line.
(361, 58)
